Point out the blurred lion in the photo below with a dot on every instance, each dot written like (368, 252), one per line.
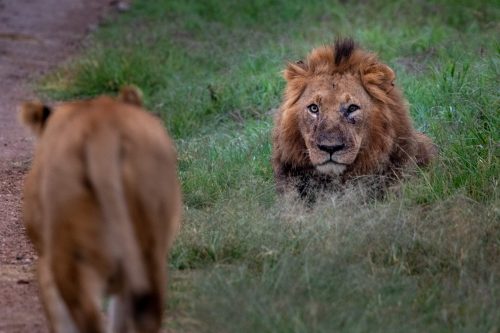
(343, 118)
(102, 205)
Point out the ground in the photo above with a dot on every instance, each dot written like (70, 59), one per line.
(35, 36)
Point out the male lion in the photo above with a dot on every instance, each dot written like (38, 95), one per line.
(102, 205)
(342, 118)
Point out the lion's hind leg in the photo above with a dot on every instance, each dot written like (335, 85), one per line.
(119, 314)
(81, 290)
(60, 320)
(426, 150)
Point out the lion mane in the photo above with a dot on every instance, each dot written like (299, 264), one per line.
(342, 117)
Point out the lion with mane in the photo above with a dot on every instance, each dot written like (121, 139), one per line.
(343, 118)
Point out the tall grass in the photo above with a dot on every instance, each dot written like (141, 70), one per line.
(248, 261)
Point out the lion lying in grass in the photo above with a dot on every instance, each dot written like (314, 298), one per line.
(102, 206)
(343, 118)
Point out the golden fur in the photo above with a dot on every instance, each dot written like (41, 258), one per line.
(342, 117)
(102, 205)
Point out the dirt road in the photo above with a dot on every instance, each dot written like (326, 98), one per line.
(35, 36)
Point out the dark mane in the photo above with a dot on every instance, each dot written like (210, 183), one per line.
(343, 49)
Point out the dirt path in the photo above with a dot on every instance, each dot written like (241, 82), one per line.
(35, 36)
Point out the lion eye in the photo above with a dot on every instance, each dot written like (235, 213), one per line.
(313, 108)
(352, 108)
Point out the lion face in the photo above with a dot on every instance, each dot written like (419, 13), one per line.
(333, 111)
(343, 117)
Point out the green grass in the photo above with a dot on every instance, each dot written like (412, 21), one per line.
(249, 261)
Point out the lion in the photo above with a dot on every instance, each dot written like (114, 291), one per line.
(343, 118)
(102, 205)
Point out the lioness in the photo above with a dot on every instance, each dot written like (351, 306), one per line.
(342, 118)
(102, 205)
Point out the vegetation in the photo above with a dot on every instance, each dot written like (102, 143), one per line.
(249, 261)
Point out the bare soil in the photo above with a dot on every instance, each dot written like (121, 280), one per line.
(35, 36)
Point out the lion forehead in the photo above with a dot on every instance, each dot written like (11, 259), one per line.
(335, 88)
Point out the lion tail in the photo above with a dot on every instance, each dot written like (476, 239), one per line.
(105, 174)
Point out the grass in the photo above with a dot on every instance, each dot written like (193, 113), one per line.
(249, 261)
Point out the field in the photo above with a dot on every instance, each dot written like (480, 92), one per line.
(246, 260)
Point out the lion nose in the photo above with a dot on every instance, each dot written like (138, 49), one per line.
(331, 148)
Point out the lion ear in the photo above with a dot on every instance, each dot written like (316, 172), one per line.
(130, 95)
(295, 70)
(378, 79)
(34, 115)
